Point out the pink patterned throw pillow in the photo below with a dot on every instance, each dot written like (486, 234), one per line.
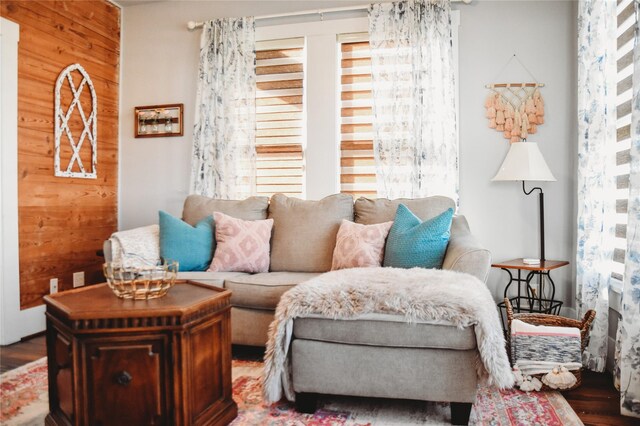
(360, 245)
(241, 245)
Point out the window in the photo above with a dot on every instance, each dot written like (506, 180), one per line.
(627, 22)
(314, 112)
(357, 167)
(279, 116)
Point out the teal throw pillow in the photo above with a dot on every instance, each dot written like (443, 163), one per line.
(413, 243)
(191, 246)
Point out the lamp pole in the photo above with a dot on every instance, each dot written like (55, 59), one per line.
(541, 196)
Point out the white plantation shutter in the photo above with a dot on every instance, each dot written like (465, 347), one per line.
(280, 130)
(357, 167)
(627, 22)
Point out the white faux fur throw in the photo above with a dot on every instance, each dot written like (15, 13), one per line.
(417, 294)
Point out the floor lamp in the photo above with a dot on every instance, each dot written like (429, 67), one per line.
(524, 162)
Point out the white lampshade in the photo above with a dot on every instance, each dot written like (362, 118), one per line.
(524, 161)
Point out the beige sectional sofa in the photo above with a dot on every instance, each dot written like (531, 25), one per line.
(376, 355)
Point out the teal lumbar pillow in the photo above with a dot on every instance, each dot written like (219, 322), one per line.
(413, 243)
(191, 246)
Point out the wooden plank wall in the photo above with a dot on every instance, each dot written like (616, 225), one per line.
(63, 221)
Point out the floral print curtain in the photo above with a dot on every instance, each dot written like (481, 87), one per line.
(414, 111)
(223, 164)
(596, 186)
(629, 325)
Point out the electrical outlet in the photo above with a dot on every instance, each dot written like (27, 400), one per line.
(53, 285)
(78, 279)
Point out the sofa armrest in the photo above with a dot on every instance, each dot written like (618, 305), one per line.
(465, 254)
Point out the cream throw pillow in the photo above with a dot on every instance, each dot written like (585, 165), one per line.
(360, 245)
(241, 245)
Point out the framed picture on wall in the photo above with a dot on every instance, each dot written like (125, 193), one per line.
(158, 121)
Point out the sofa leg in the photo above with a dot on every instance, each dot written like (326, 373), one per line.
(306, 402)
(460, 412)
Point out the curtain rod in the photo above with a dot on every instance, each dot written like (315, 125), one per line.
(193, 25)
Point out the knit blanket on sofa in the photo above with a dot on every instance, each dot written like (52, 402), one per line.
(417, 294)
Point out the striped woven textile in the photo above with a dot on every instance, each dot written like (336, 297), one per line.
(537, 349)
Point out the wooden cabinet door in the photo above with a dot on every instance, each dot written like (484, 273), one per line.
(209, 370)
(127, 381)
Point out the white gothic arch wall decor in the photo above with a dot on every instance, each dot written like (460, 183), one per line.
(64, 129)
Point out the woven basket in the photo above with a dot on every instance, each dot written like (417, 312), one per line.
(555, 321)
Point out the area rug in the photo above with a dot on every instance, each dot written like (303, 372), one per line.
(23, 398)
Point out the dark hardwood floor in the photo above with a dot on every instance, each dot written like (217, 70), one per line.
(596, 402)
(13, 356)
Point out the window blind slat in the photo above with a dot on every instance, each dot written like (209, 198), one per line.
(626, 36)
(621, 206)
(621, 230)
(618, 255)
(622, 182)
(279, 53)
(279, 69)
(623, 157)
(624, 109)
(282, 84)
(624, 62)
(623, 133)
(625, 13)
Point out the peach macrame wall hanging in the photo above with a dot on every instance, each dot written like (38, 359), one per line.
(515, 109)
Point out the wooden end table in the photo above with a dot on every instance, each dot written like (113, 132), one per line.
(533, 300)
(163, 361)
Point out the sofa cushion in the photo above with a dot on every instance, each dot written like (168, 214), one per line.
(215, 279)
(241, 245)
(190, 246)
(360, 246)
(197, 207)
(384, 330)
(263, 291)
(304, 232)
(368, 211)
(414, 243)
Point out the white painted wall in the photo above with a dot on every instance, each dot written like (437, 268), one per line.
(543, 35)
(159, 61)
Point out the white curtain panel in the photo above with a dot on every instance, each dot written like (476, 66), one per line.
(223, 164)
(414, 111)
(596, 162)
(629, 325)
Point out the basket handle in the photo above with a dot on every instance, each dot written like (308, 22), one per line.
(587, 320)
(585, 325)
(509, 308)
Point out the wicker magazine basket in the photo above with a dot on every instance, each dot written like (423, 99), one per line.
(551, 320)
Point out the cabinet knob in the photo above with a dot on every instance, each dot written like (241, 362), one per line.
(123, 378)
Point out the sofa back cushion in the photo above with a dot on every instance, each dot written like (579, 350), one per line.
(304, 231)
(368, 211)
(197, 207)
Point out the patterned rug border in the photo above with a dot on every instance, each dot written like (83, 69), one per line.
(508, 408)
